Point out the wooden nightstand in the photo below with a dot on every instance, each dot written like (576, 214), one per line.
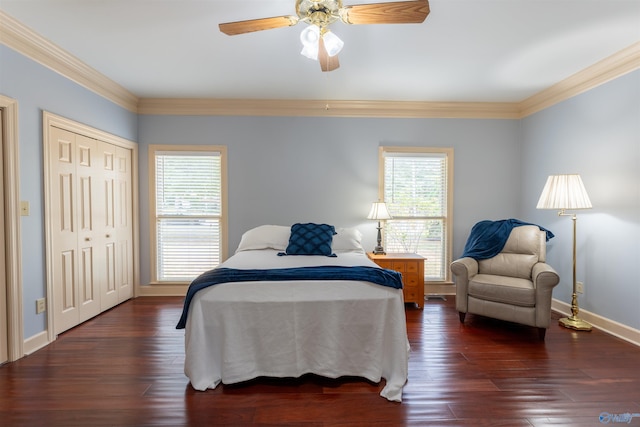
(412, 268)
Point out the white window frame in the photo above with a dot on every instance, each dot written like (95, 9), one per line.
(184, 149)
(447, 218)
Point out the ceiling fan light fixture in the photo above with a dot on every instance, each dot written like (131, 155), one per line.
(310, 52)
(310, 38)
(310, 35)
(332, 43)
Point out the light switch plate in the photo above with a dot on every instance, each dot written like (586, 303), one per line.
(41, 305)
(24, 208)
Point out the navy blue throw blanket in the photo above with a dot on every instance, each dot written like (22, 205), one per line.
(379, 276)
(487, 238)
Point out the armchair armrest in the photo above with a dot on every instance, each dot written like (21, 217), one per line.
(463, 269)
(544, 276)
(544, 279)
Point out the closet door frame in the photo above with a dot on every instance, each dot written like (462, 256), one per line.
(50, 121)
(12, 224)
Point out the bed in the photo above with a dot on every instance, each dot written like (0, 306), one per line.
(266, 327)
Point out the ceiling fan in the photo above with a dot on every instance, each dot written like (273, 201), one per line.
(318, 42)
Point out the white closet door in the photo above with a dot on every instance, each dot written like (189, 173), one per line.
(107, 225)
(89, 251)
(124, 224)
(90, 259)
(76, 296)
(115, 224)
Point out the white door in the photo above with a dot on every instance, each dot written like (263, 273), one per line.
(106, 224)
(76, 296)
(90, 226)
(88, 234)
(114, 224)
(123, 232)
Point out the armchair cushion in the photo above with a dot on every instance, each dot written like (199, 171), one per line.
(510, 265)
(507, 290)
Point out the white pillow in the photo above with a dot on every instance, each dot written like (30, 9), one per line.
(347, 240)
(265, 237)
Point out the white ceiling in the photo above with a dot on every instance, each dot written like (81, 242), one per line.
(466, 50)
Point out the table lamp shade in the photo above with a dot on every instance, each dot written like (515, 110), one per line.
(378, 211)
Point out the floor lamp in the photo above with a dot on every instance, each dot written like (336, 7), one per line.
(567, 192)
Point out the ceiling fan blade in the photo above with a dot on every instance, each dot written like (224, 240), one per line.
(402, 12)
(251, 25)
(327, 63)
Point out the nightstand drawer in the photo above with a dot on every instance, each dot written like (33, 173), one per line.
(399, 266)
(411, 280)
(413, 267)
(412, 294)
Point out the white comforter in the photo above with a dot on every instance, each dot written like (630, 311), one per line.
(239, 331)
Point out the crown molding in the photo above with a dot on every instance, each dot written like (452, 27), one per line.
(23, 40)
(612, 67)
(18, 37)
(319, 108)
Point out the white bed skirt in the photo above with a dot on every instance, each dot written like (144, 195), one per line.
(239, 331)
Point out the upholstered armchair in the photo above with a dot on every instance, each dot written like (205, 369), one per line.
(515, 285)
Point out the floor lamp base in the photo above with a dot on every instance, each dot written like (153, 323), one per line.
(575, 323)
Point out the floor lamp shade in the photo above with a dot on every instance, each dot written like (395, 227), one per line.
(564, 192)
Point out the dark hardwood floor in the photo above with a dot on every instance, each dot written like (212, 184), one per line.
(125, 368)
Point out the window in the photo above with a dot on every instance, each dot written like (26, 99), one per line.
(416, 184)
(188, 198)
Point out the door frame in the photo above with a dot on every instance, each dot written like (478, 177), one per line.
(50, 120)
(13, 247)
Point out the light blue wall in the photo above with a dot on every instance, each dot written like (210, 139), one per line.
(284, 170)
(38, 89)
(595, 134)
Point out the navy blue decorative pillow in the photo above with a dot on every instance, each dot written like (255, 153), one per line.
(311, 239)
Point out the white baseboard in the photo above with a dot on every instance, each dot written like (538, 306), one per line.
(35, 343)
(439, 289)
(606, 325)
(162, 291)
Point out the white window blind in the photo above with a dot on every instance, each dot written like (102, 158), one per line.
(188, 214)
(416, 191)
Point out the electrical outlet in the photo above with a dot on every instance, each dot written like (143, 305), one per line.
(41, 305)
(580, 287)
